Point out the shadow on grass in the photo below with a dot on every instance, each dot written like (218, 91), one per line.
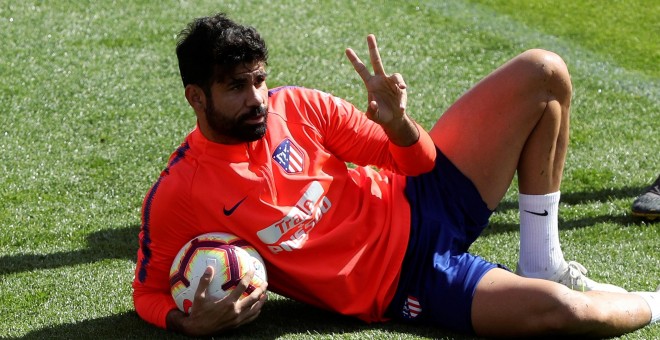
(105, 244)
(581, 197)
(576, 198)
(280, 318)
(123, 243)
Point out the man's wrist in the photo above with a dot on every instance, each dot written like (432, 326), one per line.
(402, 132)
(176, 320)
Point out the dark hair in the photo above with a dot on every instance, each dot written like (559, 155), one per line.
(211, 46)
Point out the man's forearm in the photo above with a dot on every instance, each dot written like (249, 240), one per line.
(402, 131)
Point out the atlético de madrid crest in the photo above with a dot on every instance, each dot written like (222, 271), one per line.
(290, 157)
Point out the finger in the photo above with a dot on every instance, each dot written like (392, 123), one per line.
(242, 285)
(204, 282)
(358, 65)
(397, 79)
(399, 86)
(255, 309)
(372, 111)
(252, 315)
(376, 61)
(255, 296)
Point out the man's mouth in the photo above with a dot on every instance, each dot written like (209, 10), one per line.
(256, 116)
(256, 119)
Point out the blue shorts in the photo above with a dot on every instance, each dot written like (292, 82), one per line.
(438, 275)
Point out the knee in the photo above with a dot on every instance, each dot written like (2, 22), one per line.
(550, 70)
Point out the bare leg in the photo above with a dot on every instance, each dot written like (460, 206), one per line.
(516, 119)
(505, 304)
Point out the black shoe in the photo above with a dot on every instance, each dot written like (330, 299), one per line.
(647, 205)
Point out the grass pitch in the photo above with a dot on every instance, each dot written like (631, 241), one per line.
(92, 106)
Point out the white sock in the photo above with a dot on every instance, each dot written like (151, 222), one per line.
(653, 300)
(540, 251)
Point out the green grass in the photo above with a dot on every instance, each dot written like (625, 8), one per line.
(92, 105)
(623, 32)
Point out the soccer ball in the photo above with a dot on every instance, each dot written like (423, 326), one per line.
(231, 258)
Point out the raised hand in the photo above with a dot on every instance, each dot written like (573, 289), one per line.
(387, 97)
(386, 93)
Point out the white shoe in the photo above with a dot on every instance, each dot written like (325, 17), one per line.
(572, 275)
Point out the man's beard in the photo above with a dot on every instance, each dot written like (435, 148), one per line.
(237, 128)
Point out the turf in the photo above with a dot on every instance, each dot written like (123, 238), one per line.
(92, 106)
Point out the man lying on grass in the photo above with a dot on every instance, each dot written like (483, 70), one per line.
(269, 165)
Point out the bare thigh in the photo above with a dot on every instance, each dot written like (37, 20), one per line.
(485, 132)
(505, 304)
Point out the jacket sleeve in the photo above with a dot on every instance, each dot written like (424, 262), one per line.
(152, 306)
(166, 210)
(417, 158)
(151, 291)
(350, 135)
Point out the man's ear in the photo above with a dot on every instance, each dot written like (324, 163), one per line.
(196, 98)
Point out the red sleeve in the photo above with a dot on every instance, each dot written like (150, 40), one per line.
(152, 306)
(151, 291)
(417, 158)
(166, 226)
(351, 136)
